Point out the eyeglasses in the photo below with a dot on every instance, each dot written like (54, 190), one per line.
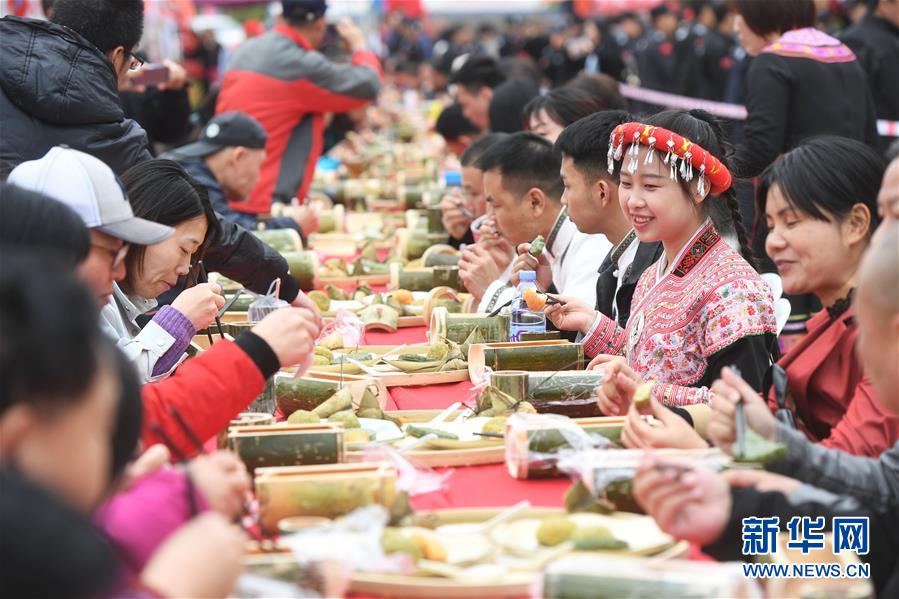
(118, 256)
(136, 63)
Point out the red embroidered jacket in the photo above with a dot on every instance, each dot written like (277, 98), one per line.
(286, 85)
(711, 310)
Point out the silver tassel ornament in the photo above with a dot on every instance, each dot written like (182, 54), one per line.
(669, 157)
(652, 150)
(686, 167)
(700, 187)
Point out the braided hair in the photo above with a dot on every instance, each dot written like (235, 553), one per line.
(707, 131)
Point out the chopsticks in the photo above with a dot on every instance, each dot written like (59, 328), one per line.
(740, 421)
(218, 321)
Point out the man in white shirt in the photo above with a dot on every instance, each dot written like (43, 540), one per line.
(591, 196)
(524, 192)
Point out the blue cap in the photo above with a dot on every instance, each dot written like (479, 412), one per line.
(527, 275)
(452, 178)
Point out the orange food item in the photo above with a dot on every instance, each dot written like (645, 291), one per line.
(404, 297)
(430, 547)
(535, 300)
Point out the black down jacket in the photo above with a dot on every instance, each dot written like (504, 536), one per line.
(56, 88)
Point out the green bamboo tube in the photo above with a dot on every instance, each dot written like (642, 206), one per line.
(242, 304)
(416, 245)
(283, 240)
(570, 393)
(413, 197)
(441, 259)
(287, 447)
(513, 383)
(301, 394)
(448, 276)
(435, 220)
(303, 267)
(457, 327)
(413, 279)
(569, 356)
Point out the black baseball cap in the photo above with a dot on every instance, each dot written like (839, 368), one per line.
(303, 10)
(224, 131)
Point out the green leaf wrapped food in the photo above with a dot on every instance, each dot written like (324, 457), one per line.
(537, 246)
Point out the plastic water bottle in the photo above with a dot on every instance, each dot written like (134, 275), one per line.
(525, 320)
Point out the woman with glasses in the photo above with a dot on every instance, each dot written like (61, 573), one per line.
(161, 191)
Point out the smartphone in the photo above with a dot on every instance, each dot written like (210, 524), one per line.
(151, 74)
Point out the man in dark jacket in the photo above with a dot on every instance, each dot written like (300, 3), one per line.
(59, 82)
(59, 86)
(227, 160)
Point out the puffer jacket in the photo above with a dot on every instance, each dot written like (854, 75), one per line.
(56, 88)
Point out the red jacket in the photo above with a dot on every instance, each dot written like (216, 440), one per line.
(286, 85)
(834, 400)
(207, 392)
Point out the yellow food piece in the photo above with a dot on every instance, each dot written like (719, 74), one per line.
(494, 425)
(332, 341)
(535, 300)
(431, 548)
(393, 541)
(303, 417)
(642, 395)
(319, 360)
(356, 435)
(555, 530)
(404, 297)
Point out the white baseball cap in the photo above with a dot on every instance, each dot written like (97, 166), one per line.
(88, 186)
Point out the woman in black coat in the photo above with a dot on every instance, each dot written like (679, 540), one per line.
(802, 83)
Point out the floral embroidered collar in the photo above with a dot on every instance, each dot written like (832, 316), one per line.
(810, 43)
(703, 241)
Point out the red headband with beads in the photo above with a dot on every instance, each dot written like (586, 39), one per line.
(676, 147)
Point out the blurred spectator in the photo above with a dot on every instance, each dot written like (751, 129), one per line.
(603, 88)
(875, 41)
(549, 114)
(201, 57)
(475, 81)
(508, 102)
(714, 31)
(285, 84)
(457, 131)
(163, 109)
(667, 59)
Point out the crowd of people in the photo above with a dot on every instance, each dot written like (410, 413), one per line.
(680, 249)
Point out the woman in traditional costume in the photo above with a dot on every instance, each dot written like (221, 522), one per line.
(702, 306)
(820, 202)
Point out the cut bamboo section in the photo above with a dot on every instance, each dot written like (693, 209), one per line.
(457, 327)
(329, 491)
(513, 383)
(525, 355)
(424, 279)
(440, 255)
(380, 317)
(446, 297)
(333, 220)
(303, 266)
(243, 419)
(287, 445)
(307, 392)
(570, 393)
(283, 240)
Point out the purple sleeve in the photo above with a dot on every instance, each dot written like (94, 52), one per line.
(178, 326)
(138, 520)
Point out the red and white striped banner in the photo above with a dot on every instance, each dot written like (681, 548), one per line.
(722, 109)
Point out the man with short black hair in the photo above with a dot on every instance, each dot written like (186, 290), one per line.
(591, 196)
(59, 82)
(524, 191)
(475, 81)
(456, 130)
(282, 81)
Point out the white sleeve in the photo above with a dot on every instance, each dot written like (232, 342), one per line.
(144, 349)
(578, 274)
(498, 293)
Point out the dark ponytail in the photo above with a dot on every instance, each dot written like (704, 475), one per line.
(707, 131)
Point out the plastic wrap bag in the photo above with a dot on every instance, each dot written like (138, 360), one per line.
(266, 304)
(411, 478)
(535, 443)
(353, 541)
(348, 325)
(608, 473)
(614, 577)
